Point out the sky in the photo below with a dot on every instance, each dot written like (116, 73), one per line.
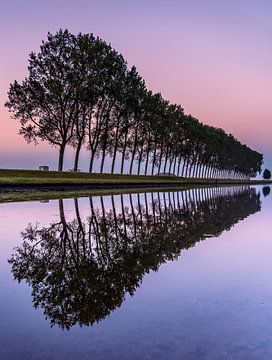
(213, 57)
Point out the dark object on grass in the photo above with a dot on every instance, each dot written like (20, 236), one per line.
(44, 168)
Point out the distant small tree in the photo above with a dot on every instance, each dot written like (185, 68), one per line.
(266, 174)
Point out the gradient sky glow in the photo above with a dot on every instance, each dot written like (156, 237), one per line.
(213, 57)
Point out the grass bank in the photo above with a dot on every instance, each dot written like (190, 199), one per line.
(25, 185)
(13, 178)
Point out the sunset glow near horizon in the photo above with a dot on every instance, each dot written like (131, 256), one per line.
(212, 57)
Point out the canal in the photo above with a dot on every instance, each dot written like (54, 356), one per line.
(182, 274)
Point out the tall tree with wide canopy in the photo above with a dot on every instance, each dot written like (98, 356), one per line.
(46, 102)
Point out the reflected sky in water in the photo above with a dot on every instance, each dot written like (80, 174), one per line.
(213, 300)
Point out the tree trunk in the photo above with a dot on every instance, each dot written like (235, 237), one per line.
(77, 155)
(179, 162)
(196, 169)
(187, 167)
(91, 162)
(206, 170)
(140, 159)
(134, 151)
(166, 158)
(154, 157)
(183, 166)
(210, 172)
(160, 160)
(104, 151)
(113, 161)
(106, 133)
(214, 173)
(170, 165)
(61, 156)
(102, 160)
(191, 168)
(200, 170)
(175, 163)
(124, 152)
(147, 155)
(115, 146)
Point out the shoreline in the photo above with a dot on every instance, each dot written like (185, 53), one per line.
(45, 194)
(26, 185)
(67, 186)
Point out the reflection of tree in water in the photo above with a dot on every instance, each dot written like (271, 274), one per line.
(266, 190)
(81, 271)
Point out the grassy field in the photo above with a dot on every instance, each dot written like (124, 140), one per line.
(21, 177)
(36, 177)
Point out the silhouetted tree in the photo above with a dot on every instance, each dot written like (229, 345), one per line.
(267, 174)
(46, 100)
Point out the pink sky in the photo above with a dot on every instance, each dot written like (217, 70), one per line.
(213, 59)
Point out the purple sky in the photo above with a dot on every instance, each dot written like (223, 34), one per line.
(212, 57)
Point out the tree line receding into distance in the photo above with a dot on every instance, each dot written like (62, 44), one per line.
(80, 92)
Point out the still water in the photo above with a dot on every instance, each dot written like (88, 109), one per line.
(158, 275)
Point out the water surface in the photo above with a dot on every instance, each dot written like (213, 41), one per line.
(159, 275)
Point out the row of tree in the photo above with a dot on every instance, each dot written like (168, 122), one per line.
(81, 270)
(80, 92)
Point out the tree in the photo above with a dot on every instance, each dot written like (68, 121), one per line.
(46, 102)
(267, 174)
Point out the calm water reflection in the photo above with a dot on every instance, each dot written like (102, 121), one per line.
(120, 277)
